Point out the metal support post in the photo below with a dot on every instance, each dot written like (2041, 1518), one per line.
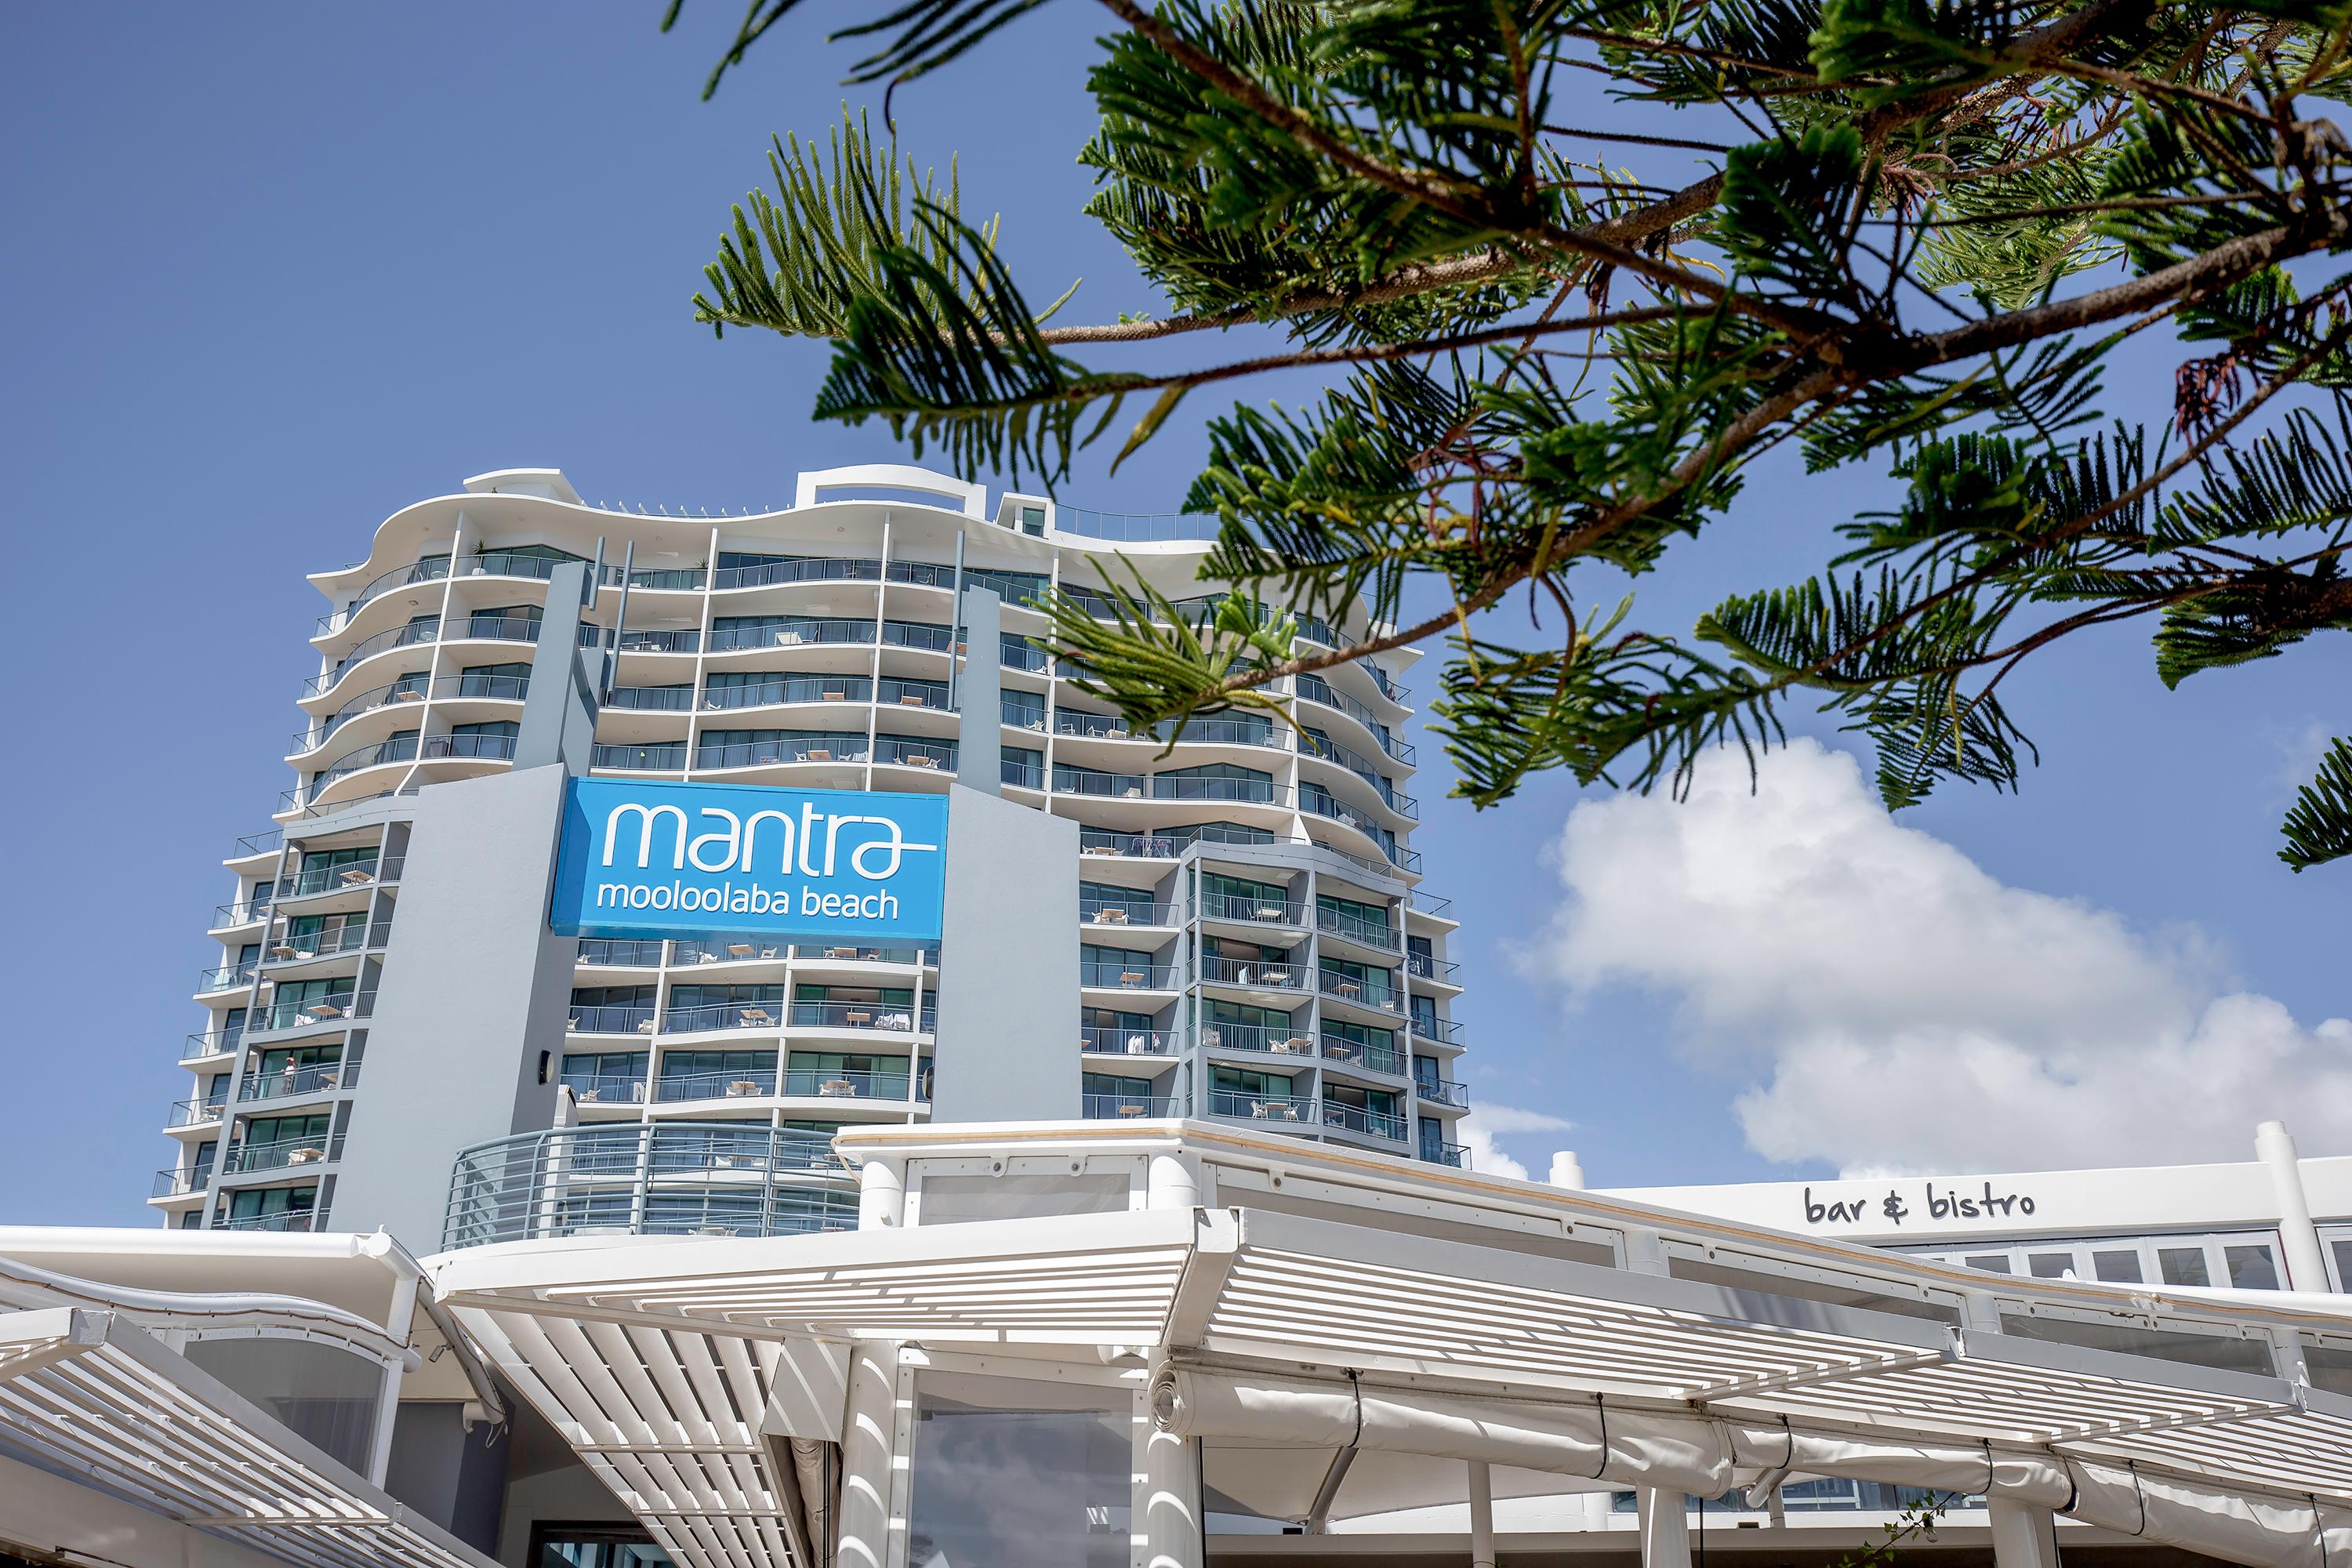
(2023, 1536)
(1482, 1516)
(1665, 1528)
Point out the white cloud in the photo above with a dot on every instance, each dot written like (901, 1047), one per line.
(1478, 1131)
(1895, 1008)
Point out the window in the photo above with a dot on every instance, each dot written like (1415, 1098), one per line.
(1993, 1264)
(2118, 1267)
(597, 1075)
(1248, 1081)
(1025, 709)
(1212, 781)
(1126, 1090)
(287, 1129)
(506, 680)
(2050, 1264)
(1014, 1474)
(2252, 1268)
(2183, 1265)
(257, 1203)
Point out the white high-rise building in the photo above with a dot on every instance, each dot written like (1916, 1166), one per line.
(1251, 944)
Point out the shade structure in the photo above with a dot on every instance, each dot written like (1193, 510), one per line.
(1302, 1336)
(91, 1393)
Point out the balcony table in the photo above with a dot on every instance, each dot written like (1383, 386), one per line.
(836, 1088)
(645, 1025)
(354, 877)
(305, 1156)
(1129, 977)
(818, 755)
(741, 1087)
(323, 1010)
(755, 1019)
(740, 949)
(1133, 1110)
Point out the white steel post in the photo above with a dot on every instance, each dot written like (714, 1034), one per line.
(881, 1193)
(1665, 1528)
(868, 1456)
(2023, 1536)
(2306, 1265)
(1171, 1181)
(1171, 1500)
(1482, 1516)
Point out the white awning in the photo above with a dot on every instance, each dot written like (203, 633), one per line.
(1314, 1335)
(96, 1395)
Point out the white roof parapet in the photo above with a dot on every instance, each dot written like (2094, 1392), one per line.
(2249, 1467)
(93, 1393)
(972, 500)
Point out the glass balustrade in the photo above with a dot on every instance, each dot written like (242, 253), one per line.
(1107, 1039)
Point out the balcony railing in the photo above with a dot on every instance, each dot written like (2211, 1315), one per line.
(335, 1006)
(820, 1083)
(1355, 929)
(1425, 967)
(605, 1090)
(850, 954)
(920, 636)
(612, 1018)
(682, 640)
(179, 1183)
(1130, 1107)
(1096, 910)
(1445, 1031)
(409, 635)
(1254, 910)
(894, 692)
(772, 753)
(1380, 992)
(405, 576)
(1167, 786)
(800, 632)
(478, 627)
(715, 1085)
(413, 748)
(282, 1153)
(620, 953)
(1128, 976)
(668, 757)
(240, 913)
(1429, 903)
(1360, 1119)
(1443, 1091)
(647, 1179)
(785, 689)
(477, 686)
(1255, 973)
(1454, 1154)
(225, 977)
(1275, 1041)
(814, 569)
(652, 699)
(1248, 1106)
(897, 1018)
(940, 756)
(328, 878)
(1200, 732)
(210, 1043)
(300, 947)
(283, 1219)
(1020, 774)
(1316, 690)
(724, 1015)
(1139, 846)
(195, 1113)
(1370, 1055)
(286, 1082)
(1108, 1039)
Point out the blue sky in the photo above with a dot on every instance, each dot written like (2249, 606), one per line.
(272, 273)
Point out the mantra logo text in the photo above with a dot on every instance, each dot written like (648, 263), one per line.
(816, 841)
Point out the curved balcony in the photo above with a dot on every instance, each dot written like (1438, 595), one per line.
(648, 640)
(901, 751)
(409, 635)
(652, 699)
(1094, 785)
(662, 757)
(798, 631)
(1353, 766)
(428, 571)
(672, 1178)
(483, 627)
(410, 749)
(1085, 726)
(1109, 1040)
(1316, 690)
(805, 569)
(775, 753)
(475, 686)
(781, 691)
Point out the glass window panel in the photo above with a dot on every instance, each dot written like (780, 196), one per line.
(1012, 1474)
(2049, 1264)
(2117, 1268)
(2343, 1251)
(2182, 1265)
(2252, 1268)
(1993, 1263)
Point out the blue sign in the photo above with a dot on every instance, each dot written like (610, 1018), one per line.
(663, 859)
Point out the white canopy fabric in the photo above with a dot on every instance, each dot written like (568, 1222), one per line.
(96, 1395)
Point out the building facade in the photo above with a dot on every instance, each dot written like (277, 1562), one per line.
(1252, 941)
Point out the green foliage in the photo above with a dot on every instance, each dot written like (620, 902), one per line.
(1916, 237)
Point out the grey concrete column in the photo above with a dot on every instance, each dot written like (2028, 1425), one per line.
(1665, 1528)
(2023, 1536)
(869, 1430)
(2307, 1264)
(1482, 1516)
(559, 710)
(1171, 1501)
(980, 694)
